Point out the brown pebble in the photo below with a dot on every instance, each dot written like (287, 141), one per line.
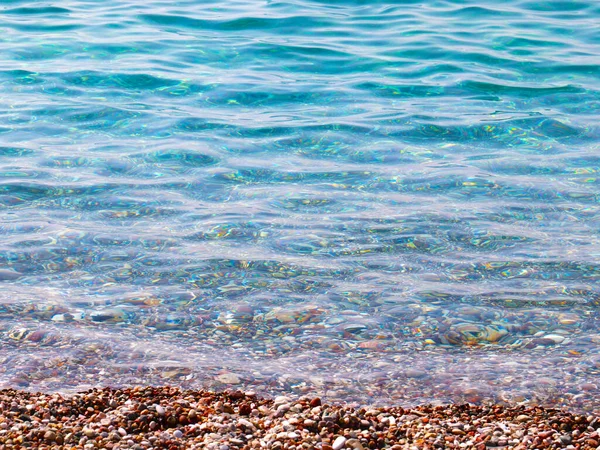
(171, 421)
(50, 436)
(245, 409)
(315, 402)
(545, 434)
(228, 408)
(354, 444)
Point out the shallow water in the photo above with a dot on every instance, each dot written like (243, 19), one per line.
(371, 201)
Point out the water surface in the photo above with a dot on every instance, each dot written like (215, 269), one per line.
(374, 201)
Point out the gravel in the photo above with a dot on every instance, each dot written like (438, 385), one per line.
(170, 418)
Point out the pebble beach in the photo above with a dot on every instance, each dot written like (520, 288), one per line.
(171, 418)
(306, 224)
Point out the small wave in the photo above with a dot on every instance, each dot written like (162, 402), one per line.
(279, 24)
(556, 5)
(117, 80)
(519, 90)
(26, 11)
(15, 151)
(40, 27)
(181, 157)
(475, 12)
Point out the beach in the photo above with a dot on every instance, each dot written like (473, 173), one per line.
(382, 204)
(170, 418)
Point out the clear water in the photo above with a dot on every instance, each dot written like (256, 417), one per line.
(375, 201)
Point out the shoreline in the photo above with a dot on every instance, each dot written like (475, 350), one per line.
(172, 418)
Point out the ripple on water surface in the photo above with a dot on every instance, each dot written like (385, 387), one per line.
(369, 201)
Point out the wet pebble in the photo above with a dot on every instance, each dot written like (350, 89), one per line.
(9, 275)
(228, 378)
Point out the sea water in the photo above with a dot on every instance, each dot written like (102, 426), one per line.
(371, 201)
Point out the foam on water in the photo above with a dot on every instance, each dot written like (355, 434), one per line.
(373, 201)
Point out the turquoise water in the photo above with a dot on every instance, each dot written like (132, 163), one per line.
(373, 201)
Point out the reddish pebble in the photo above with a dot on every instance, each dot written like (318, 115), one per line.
(316, 402)
(245, 409)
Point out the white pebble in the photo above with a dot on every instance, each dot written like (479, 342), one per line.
(280, 400)
(246, 423)
(555, 337)
(160, 410)
(282, 409)
(228, 378)
(338, 444)
(178, 434)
